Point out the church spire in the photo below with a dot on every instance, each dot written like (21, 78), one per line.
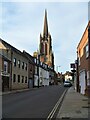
(45, 30)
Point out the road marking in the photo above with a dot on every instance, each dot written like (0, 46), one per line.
(50, 116)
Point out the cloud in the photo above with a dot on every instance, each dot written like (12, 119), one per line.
(23, 22)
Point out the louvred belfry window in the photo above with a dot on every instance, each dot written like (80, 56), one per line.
(46, 48)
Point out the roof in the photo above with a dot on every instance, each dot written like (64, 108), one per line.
(31, 58)
(84, 33)
(8, 46)
(2, 56)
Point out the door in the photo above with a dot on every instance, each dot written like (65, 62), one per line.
(5, 83)
(82, 82)
(30, 83)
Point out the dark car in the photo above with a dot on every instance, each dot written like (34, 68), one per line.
(67, 84)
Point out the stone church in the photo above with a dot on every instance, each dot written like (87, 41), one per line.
(45, 48)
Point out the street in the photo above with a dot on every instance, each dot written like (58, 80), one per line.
(37, 103)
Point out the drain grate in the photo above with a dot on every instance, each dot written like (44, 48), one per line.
(78, 111)
(85, 106)
(65, 118)
(84, 99)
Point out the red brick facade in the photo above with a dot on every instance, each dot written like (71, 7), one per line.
(84, 62)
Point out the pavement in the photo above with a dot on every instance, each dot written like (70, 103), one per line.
(17, 91)
(74, 105)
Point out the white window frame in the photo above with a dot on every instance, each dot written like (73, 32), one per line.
(87, 51)
(5, 66)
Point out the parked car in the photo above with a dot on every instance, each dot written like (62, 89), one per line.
(67, 84)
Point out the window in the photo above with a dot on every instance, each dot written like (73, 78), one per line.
(46, 48)
(18, 78)
(26, 66)
(5, 66)
(87, 50)
(42, 48)
(18, 63)
(45, 59)
(14, 77)
(22, 65)
(14, 62)
(22, 79)
(25, 79)
(35, 60)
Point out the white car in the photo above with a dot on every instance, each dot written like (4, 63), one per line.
(67, 84)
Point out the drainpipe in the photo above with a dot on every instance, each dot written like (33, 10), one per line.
(89, 60)
(11, 70)
(77, 74)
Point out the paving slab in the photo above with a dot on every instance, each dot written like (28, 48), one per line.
(74, 105)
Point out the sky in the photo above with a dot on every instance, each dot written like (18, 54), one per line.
(22, 22)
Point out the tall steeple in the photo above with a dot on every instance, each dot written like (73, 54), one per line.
(45, 49)
(45, 30)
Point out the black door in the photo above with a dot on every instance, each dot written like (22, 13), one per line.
(5, 83)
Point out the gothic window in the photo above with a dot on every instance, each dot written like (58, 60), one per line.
(42, 48)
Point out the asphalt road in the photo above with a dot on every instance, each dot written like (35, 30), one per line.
(37, 103)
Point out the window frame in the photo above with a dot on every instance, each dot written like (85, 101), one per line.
(18, 78)
(87, 50)
(14, 78)
(14, 62)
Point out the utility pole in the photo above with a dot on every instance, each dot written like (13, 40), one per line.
(77, 74)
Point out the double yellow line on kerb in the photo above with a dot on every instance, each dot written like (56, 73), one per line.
(50, 116)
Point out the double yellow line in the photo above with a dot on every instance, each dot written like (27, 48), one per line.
(50, 116)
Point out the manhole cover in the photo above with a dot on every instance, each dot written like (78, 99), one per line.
(78, 111)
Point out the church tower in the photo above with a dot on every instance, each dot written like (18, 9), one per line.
(45, 49)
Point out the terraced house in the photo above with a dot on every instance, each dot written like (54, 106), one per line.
(14, 70)
(20, 70)
(83, 50)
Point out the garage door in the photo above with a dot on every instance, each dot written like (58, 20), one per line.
(82, 82)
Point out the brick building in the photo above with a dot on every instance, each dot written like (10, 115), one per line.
(83, 55)
(14, 70)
